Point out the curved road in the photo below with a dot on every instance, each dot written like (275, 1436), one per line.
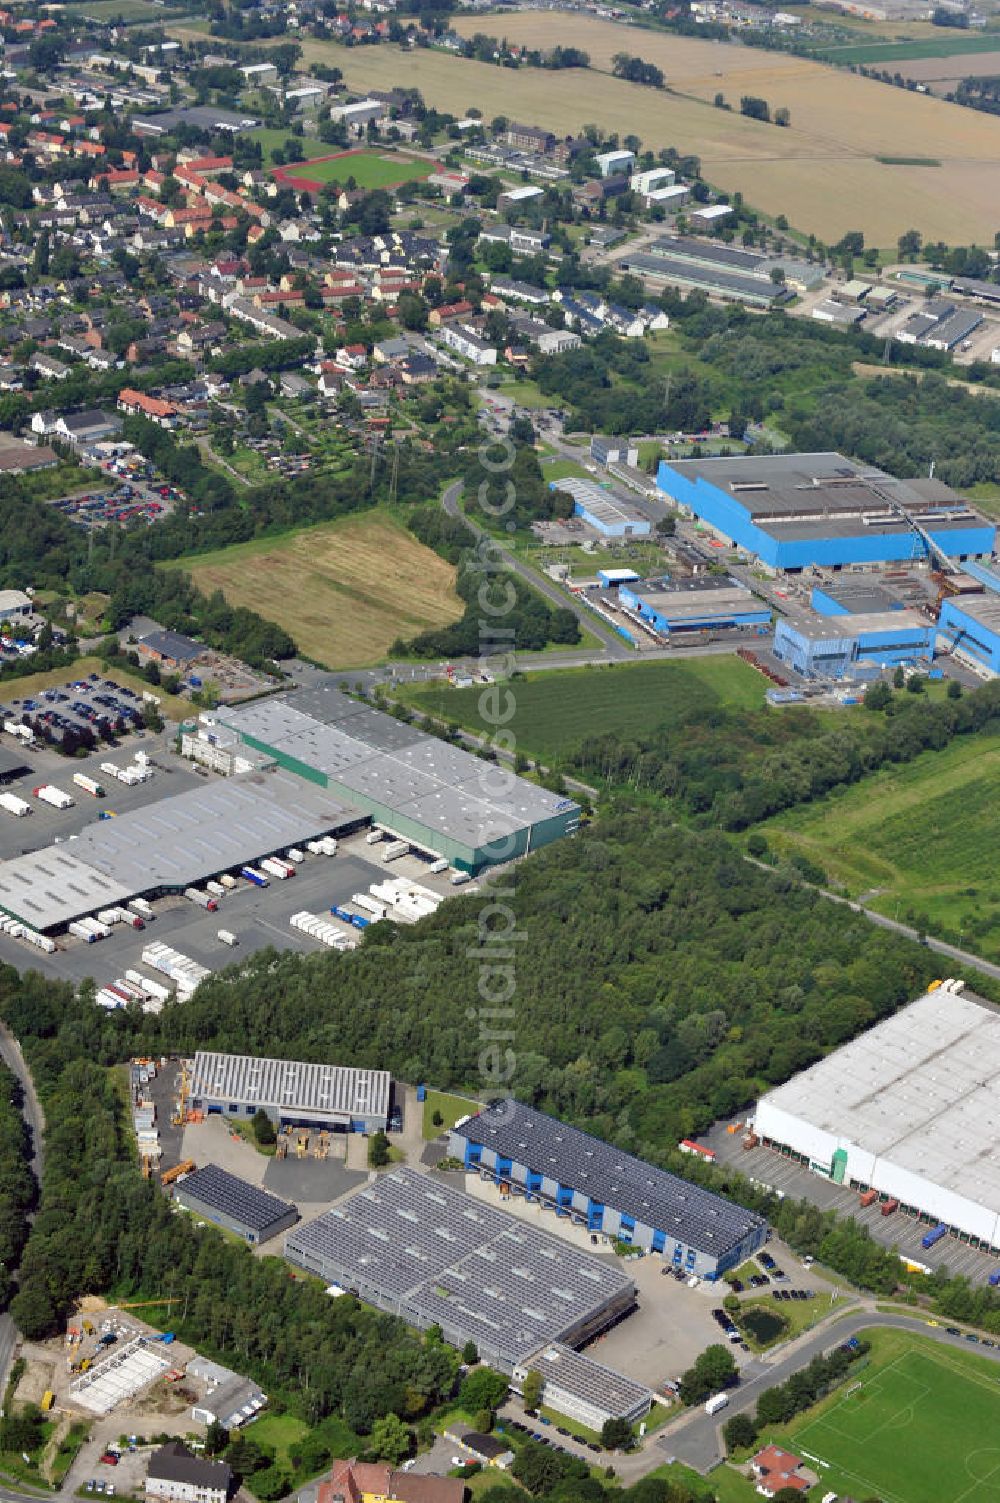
(10, 1053)
(615, 645)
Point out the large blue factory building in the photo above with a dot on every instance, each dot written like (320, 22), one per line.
(606, 1190)
(709, 602)
(794, 511)
(969, 626)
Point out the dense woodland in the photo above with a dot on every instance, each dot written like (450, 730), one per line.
(17, 1185)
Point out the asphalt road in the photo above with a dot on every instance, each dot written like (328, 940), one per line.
(696, 1439)
(10, 1053)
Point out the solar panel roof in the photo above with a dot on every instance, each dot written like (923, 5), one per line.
(652, 1196)
(221, 1191)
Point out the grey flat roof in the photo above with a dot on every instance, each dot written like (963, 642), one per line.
(451, 791)
(650, 1195)
(290, 1085)
(414, 1244)
(54, 886)
(826, 628)
(588, 1380)
(174, 843)
(983, 609)
(689, 273)
(221, 1191)
(921, 1090)
(800, 492)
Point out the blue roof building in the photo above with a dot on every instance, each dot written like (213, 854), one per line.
(607, 1190)
(969, 626)
(611, 517)
(707, 602)
(835, 646)
(794, 511)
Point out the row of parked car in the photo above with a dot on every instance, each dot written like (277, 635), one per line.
(549, 1439)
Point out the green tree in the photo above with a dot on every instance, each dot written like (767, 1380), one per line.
(483, 1389)
(739, 1432)
(470, 1353)
(263, 1128)
(379, 1150)
(616, 1434)
(532, 1391)
(216, 1438)
(390, 1439)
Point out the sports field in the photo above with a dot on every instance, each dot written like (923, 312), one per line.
(370, 169)
(555, 712)
(905, 834)
(921, 1424)
(822, 172)
(344, 590)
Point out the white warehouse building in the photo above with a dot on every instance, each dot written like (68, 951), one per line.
(910, 1109)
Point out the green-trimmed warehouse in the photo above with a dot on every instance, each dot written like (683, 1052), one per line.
(444, 800)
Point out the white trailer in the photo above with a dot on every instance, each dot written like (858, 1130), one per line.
(142, 908)
(368, 905)
(227, 881)
(49, 794)
(89, 785)
(394, 849)
(11, 804)
(276, 869)
(296, 855)
(227, 937)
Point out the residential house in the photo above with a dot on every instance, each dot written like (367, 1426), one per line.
(138, 404)
(377, 1482)
(776, 1470)
(180, 1477)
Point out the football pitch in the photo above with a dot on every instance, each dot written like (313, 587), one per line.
(369, 169)
(923, 1428)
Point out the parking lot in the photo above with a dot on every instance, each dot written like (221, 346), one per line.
(898, 1231)
(91, 704)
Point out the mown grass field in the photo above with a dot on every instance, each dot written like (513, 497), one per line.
(955, 45)
(905, 832)
(923, 1425)
(344, 590)
(370, 169)
(554, 712)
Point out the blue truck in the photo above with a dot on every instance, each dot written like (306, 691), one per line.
(257, 878)
(934, 1235)
(994, 1278)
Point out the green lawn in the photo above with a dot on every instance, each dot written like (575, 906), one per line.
(920, 1424)
(370, 169)
(450, 1107)
(904, 834)
(563, 469)
(279, 1431)
(270, 136)
(913, 48)
(555, 711)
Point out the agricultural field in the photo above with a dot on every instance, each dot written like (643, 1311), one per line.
(370, 169)
(344, 590)
(958, 44)
(822, 172)
(902, 836)
(556, 711)
(919, 1424)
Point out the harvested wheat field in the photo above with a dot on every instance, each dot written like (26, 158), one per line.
(344, 590)
(822, 172)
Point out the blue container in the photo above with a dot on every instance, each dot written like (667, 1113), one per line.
(421, 1093)
(934, 1235)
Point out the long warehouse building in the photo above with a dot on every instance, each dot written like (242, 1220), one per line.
(417, 1247)
(438, 797)
(607, 1190)
(794, 511)
(168, 846)
(910, 1109)
(293, 1092)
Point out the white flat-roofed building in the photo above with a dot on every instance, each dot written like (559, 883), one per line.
(910, 1109)
(291, 1091)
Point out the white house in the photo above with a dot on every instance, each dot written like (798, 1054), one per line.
(175, 1474)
